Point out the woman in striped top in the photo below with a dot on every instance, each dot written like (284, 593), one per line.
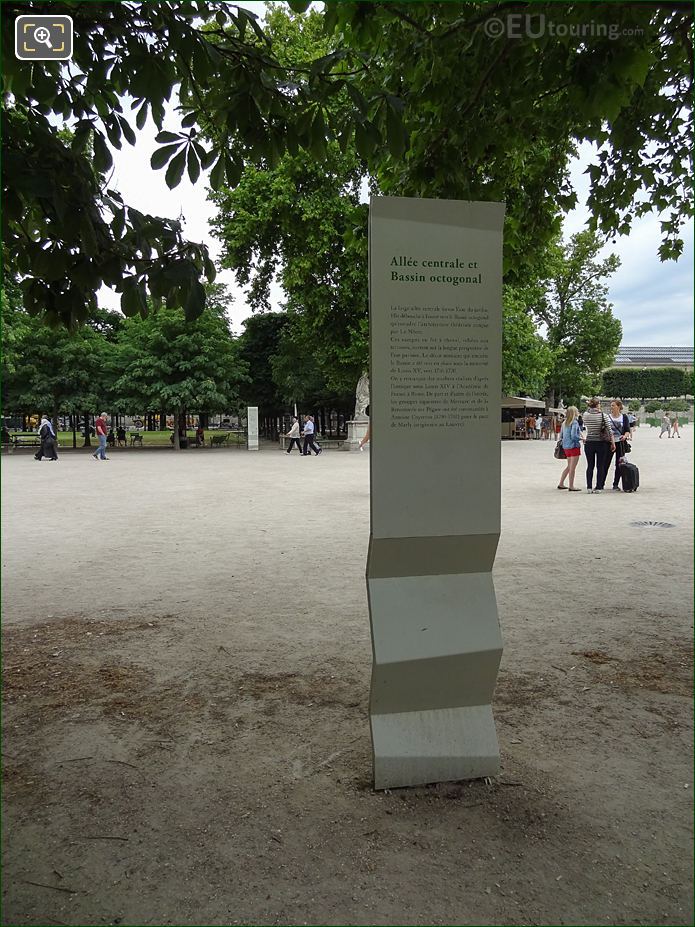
(598, 445)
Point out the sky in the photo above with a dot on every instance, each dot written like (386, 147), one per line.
(653, 300)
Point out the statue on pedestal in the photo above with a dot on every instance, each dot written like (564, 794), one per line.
(357, 428)
(362, 398)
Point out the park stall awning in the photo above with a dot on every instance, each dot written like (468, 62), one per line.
(521, 402)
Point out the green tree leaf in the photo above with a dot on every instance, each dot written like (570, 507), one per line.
(175, 170)
(162, 156)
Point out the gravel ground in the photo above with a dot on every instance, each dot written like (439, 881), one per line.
(186, 666)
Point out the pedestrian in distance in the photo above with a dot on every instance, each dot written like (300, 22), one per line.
(571, 444)
(675, 427)
(538, 427)
(665, 426)
(309, 443)
(293, 435)
(598, 445)
(49, 443)
(100, 426)
(620, 428)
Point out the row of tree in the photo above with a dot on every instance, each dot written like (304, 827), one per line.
(647, 383)
(160, 362)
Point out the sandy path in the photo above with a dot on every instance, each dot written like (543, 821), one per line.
(187, 665)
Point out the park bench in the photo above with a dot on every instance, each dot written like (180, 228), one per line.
(219, 440)
(136, 439)
(25, 439)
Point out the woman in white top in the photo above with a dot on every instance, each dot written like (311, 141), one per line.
(293, 435)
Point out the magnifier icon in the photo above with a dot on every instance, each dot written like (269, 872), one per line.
(43, 36)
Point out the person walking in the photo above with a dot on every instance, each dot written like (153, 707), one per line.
(539, 422)
(49, 444)
(675, 427)
(598, 445)
(571, 445)
(293, 435)
(309, 444)
(621, 431)
(665, 426)
(100, 426)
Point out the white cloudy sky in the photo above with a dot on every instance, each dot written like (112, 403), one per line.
(652, 300)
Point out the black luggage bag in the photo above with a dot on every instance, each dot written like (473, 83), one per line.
(629, 476)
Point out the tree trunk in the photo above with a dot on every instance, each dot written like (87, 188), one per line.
(162, 421)
(73, 424)
(56, 415)
(550, 398)
(204, 419)
(87, 441)
(177, 443)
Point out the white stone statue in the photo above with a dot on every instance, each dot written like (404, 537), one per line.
(362, 398)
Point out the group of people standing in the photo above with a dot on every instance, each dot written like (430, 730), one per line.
(605, 438)
(307, 431)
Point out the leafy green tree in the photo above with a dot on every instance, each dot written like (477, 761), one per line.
(14, 324)
(469, 113)
(54, 370)
(129, 60)
(258, 345)
(526, 358)
(300, 221)
(169, 362)
(298, 372)
(582, 333)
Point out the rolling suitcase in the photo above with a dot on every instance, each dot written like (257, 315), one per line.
(629, 476)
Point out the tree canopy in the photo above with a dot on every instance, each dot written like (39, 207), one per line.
(497, 117)
(168, 362)
(432, 102)
(49, 370)
(301, 222)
